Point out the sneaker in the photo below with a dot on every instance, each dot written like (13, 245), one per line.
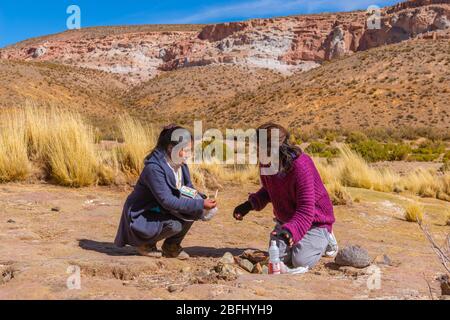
(149, 251)
(332, 248)
(174, 251)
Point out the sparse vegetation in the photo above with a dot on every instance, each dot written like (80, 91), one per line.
(14, 164)
(62, 145)
(137, 142)
(414, 213)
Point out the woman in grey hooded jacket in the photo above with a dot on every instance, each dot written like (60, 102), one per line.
(156, 209)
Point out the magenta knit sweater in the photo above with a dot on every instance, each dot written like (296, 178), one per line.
(299, 198)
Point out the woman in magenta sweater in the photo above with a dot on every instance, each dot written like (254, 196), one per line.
(301, 205)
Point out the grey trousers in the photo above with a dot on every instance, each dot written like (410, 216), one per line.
(173, 230)
(307, 252)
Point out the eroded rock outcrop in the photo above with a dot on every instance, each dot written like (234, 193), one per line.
(286, 44)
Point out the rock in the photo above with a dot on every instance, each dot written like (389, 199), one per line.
(205, 273)
(352, 271)
(353, 256)
(207, 276)
(172, 288)
(56, 209)
(226, 272)
(217, 32)
(246, 265)
(258, 269)
(445, 284)
(255, 256)
(384, 259)
(186, 269)
(6, 273)
(441, 22)
(10, 221)
(38, 52)
(265, 270)
(227, 258)
(336, 47)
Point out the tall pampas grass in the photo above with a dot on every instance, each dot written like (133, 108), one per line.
(137, 143)
(14, 163)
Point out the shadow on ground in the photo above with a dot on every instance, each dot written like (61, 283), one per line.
(106, 247)
(209, 252)
(110, 249)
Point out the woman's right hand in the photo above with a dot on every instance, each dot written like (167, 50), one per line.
(209, 204)
(241, 210)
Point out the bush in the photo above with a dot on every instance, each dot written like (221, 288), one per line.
(338, 193)
(397, 151)
(414, 213)
(321, 149)
(137, 143)
(58, 141)
(371, 150)
(427, 151)
(14, 164)
(356, 137)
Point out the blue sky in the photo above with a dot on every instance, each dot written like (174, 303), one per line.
(24, 19)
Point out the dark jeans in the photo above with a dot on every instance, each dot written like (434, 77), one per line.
(173, 230)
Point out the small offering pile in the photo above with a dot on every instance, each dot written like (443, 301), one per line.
(250, 261)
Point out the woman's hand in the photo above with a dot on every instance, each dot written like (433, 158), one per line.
(209, 204)
(286, 236)
(241, 210)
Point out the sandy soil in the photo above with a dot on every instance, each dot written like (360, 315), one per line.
(38, 246)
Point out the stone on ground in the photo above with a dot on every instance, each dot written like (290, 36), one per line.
(227, 258)
(353, 256)
(246, 265)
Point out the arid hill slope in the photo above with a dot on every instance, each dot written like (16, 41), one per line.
(405, 84)
(182, 94)
(244, 73)
(93, 93)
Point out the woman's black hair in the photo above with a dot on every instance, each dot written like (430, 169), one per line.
(165, 139)
(288, 152)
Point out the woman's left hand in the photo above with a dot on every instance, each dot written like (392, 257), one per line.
(286, 236)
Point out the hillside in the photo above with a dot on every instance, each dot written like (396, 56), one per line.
(405, 84)
(185, 93)
(322, 70)
(286, 44)
(93, 93)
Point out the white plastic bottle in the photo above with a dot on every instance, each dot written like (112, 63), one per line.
(274, 258)
(209, 214)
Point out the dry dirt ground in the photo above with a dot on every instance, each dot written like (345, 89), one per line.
(38, 245)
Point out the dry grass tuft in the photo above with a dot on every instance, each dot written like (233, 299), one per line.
(137, 143)
(14, 164)
(414, 213)
(338, 193)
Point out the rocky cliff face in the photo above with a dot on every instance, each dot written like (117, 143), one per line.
(286, 44)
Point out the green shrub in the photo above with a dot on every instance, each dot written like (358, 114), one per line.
(321, 149)
(397, 151)
(356, 137)
(427, 151)
(371, 150)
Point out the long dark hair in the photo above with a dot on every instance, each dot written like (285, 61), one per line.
(288, 152)
(165, 139)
